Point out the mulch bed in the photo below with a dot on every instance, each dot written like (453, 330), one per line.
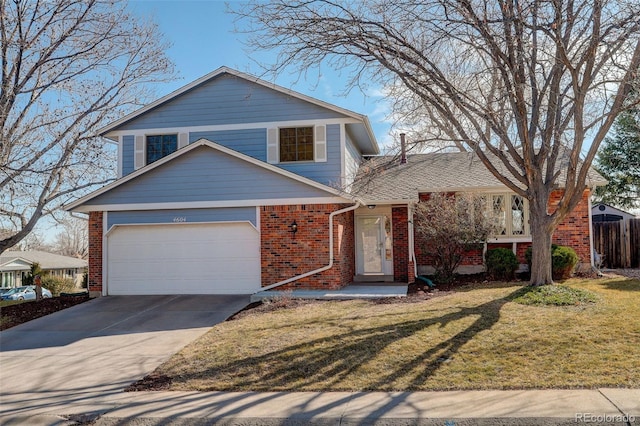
(17, 314)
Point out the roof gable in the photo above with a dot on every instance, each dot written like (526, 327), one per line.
(204, 174)
(226, 96)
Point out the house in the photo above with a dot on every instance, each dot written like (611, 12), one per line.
(605, 213)
(16, 265)
(234, 185)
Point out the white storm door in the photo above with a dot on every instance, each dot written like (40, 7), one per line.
(369, 245)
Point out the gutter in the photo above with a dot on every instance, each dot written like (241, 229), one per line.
(324, 268)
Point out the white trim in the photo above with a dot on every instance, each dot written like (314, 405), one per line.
(213, 145)
(230, 127)
(224, 70)
(258, 219)
(509, 239)
(398, 202)
(120, 144)
(112, 229)
(591, 244)
(343, 155)
(105, 255)
(211, 204)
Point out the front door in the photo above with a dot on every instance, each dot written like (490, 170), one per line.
(373, 245)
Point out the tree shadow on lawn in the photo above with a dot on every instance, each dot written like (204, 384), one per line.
(324, 364)
(627, 284)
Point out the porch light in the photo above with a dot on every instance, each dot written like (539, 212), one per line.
(294, 227)
(371, 206)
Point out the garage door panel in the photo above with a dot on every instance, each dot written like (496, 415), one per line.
(184, 259)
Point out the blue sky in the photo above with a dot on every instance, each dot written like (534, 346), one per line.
(203, 39)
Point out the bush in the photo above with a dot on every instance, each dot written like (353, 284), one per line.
(501, 264)
(563, 260)
(58, 285)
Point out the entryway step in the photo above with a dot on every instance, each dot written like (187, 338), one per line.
(373, 279)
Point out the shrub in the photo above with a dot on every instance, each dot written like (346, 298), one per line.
(501, 264)
(58, 285)
(563, 261)
(35, 270)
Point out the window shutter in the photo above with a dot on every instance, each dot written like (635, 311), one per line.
(272, 146)
(183, 140)
(138, 155)
(320, 149)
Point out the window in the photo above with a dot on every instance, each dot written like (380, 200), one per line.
(296, 144)
(512, 214)
(159, 146)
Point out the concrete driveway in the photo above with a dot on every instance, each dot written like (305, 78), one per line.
(85, 355)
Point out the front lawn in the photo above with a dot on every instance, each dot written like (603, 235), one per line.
(475, 338)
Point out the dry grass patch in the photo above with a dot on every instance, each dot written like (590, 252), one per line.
(476, 338)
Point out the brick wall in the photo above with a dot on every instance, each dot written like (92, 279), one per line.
(94, 276)
(400, 224)
(285, 254)
(574, 231)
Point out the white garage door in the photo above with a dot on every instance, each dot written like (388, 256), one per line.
(183, 259)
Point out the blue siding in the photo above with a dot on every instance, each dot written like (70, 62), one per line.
(205, 174)
(189, 216)
(327, 173)
(128, 147)
(251, 142)
(227, 99)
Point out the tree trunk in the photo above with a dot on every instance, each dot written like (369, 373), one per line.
(541, 233)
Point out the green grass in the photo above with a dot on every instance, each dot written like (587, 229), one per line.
(556, 295)
(476, 338)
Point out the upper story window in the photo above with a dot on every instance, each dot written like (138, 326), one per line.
(512, 213)
(296, 144)
(159, 146)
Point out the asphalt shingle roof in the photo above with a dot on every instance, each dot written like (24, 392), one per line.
(434, 172)
(46, 260)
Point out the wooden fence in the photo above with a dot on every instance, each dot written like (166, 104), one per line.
(618, 243)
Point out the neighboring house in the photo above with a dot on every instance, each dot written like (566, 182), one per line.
(606, 213)
(16, 265)
(235, 185)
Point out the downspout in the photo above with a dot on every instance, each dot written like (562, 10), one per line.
(412, 241)
(324, 268)
(591, 244)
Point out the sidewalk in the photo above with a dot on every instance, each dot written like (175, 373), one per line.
(453, 408)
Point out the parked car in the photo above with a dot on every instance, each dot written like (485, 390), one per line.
(24, 293)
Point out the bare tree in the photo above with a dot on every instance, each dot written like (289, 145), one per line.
(68, 68)
(73, 240)
(525, 84)
(447, 227)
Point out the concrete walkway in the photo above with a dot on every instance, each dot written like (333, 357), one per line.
(352, 291)
(532, 407)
